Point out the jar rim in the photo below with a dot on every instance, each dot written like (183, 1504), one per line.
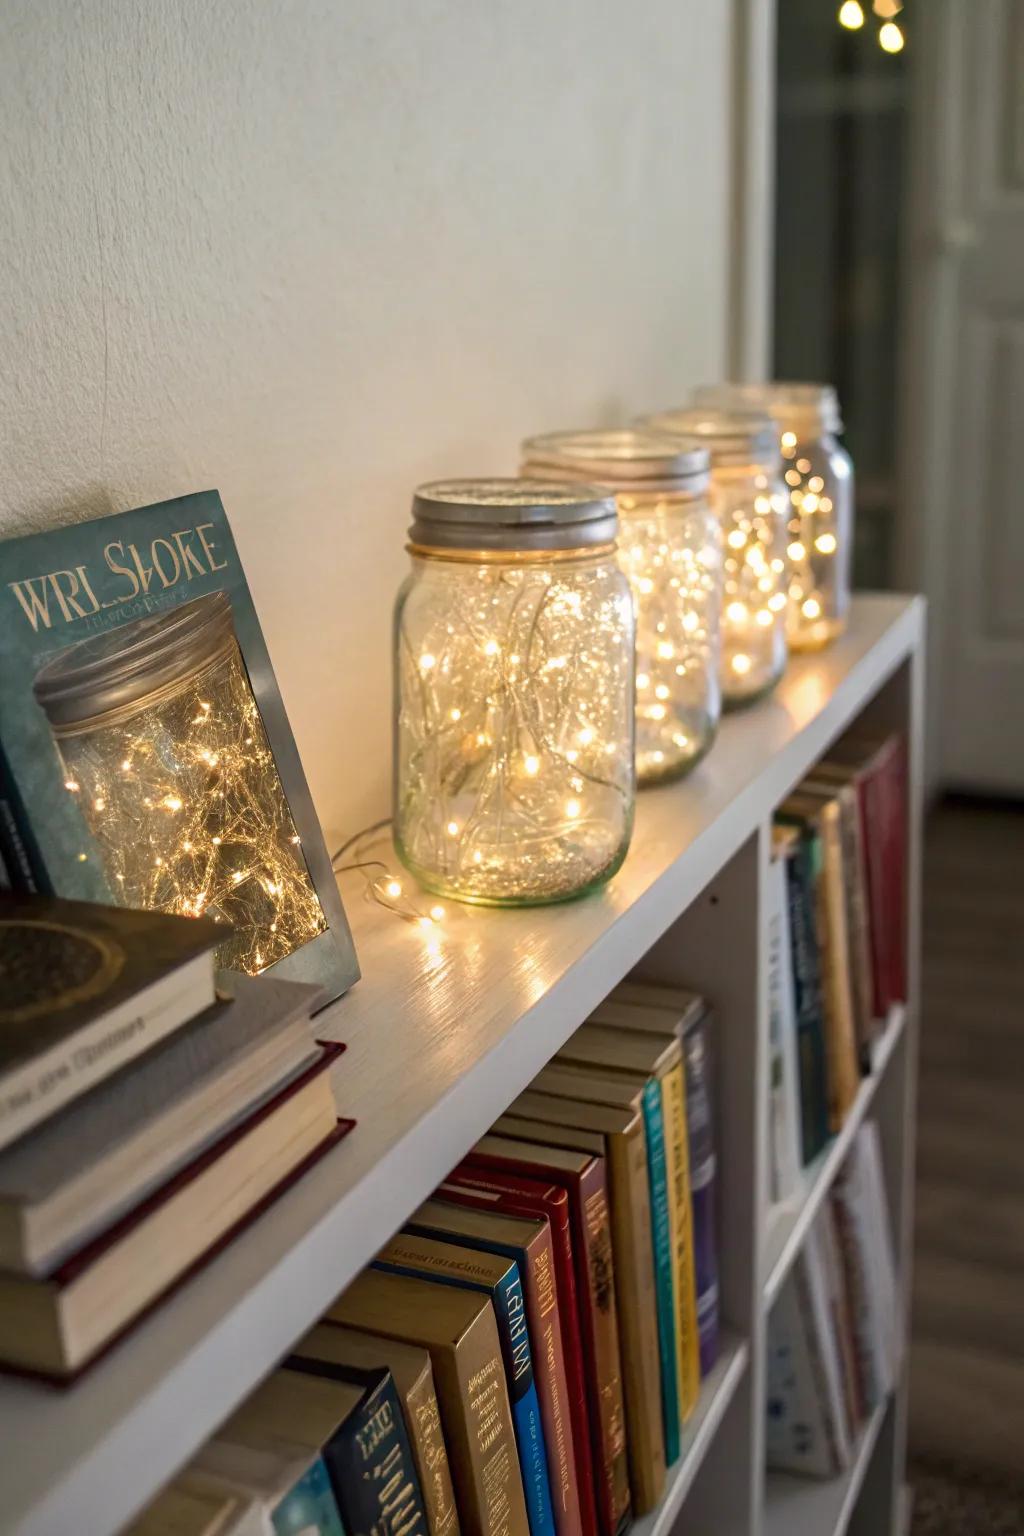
(621, 457)
(732, 436)
(794, 405)
(123, 666)
(512, 514)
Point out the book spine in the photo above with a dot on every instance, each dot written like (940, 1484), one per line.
(549, 1367)
(868, 807)
(703, 1169)
(370, 1466)
(852, 1238)
(785, 1080)
(664, 1285)
(841, 1050)
(807, 989)
(637, 1306)
(423, 1423)
(596, 1287)
(502, 1506)
(842, 1321)
(857, 923)
(309, 1500)
(812, 1288)
(677, 1156)
(894, 781)
(17, 844)
(796, 1434)
(405, 1256)
(519, 1197)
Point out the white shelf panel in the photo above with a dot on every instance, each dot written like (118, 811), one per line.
(804, 1506)
(788, 1222)
(715, 1396)
(442, 1034)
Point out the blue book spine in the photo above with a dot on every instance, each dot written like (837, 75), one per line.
(309, 1506)
(657, 1173)
(807, 993)
(510, 1311)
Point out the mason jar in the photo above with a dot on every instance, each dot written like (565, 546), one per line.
(819, 481)
(670, 549)
(514, 779)
(750, 503)
(167, 757)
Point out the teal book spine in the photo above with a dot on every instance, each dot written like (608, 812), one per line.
(657, 1173)
(510, 1311)
(308, 1506)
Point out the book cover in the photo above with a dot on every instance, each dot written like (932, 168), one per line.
(796, 1433)
(458, 1329)
(590, 1086)
(413, 1377)
(138, 712)
(498, 1277)
(194, 1506)
(842, 1318)
(861, 1202)
(368, 1457)
(645, 1054)
(801, 851)
(857, 913)
(471, 1218)
(584, 1179)
(784, 1087)
(83, 990)
(703, 1179)
(619, 1134)
(538, 1198)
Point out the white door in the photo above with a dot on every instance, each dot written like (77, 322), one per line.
(963, 472)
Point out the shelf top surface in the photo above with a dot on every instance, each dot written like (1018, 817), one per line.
(445, 1028)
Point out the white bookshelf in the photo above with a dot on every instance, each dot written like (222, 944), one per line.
(442, 1034)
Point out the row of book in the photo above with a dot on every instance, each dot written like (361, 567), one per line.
(836, 942)
(835, 1334)
(521, 1358)
(144, 1118)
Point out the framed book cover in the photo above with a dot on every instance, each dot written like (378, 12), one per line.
(146, 759)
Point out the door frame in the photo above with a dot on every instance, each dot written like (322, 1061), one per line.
(749, 342)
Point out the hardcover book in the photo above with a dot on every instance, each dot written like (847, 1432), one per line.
(588, 1086)
(584, 1179)
(784, 1075)
(145, 756)
(526, 1240)
(806, 1415)
(512, 1195)
(646, 1056)
(288, 1487)
(413, 1377)
(800, 850)
(85, 989)
(498, 1277)
(459, 1331)
(196, 1506)
(54, 1327)
(618, 1135)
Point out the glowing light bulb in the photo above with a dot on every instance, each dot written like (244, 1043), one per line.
(427, 662)
(890, 37)
(73, 785)
(851, 15)
(437, 913)
(215, 841)
(531, 765)
(662, 691)
(763, 617)
(586, 736)
(736, 612)
(809, 503)
(642, 681)
(737, 539)
(825, 543)
(455, 714)
(815, 483)
(572, 809)
(811, 608)
(796, 551)
(788, 439)
(394, 888)
(491, 648)
(453, 829)
(126, 766)
(666, 650)
(741, 664)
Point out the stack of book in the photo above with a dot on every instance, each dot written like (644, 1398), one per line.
(520, 1359)
(834, 1334)
(836, 942)
(143, 1119)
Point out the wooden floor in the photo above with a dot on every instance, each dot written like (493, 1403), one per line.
(967, 1344)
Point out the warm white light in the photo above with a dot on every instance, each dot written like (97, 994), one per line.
(657, 712)
(491, 648)
(763, 617)
(789, 438)
(455, 714)
(73, 785)
(662, 691)
(741, 664)
(586, 736)
(815, 483)
(736, 612)
(825, 543)
(811, 608)
(437, 913)
(666, 650)
(531, 765)
(572, 809)
(851, 15)
(737, 539)
(394, 888)
(453, 829)
(642, 681)
(796, 551)
(890, 37)
(427, 661)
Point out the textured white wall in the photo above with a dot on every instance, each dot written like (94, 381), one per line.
(312, 251)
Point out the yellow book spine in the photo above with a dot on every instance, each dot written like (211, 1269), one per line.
(673, 1109)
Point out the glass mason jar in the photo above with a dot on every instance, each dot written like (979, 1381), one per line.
(750, 502)
(819, 479)
(514, 777)
(670, 549)
(166, 754)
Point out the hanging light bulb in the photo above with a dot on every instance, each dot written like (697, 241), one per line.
(887, 9)
(851, 15)
(890, 37)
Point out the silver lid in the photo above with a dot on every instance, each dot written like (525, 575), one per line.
(730, 436)
(507, 515)
(118, 669)
(805, 409)
(627, 458)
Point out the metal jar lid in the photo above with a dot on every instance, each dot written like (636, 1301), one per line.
(630, 458)
(119, 669)
(730, 436)
(806, 409)
(511, 515)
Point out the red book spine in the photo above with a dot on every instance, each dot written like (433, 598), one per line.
(534, 1197)
(595, 1289)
